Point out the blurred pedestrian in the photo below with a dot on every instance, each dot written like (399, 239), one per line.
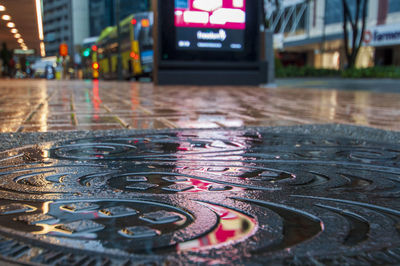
(29, 72)
(5, 56)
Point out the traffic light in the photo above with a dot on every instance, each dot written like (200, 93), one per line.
(95, 72)
(95, 66)
(145, 23)
(86, 53)
(134, 56)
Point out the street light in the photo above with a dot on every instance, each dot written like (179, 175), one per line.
(6, 17)
(10, 25)
(14, 31)
(2, 8)
(17, 36)
(20, 40)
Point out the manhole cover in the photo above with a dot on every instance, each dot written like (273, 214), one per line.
(212, 197)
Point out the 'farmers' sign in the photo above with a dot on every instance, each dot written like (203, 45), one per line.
(382, 35)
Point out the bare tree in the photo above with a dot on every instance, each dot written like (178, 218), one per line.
(351, 26)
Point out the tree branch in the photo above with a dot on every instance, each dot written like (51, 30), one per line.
(345, 31)
(364, 21)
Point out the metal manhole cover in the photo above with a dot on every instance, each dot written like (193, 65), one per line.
(201, 197)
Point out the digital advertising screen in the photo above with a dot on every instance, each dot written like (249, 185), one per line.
(210, 24)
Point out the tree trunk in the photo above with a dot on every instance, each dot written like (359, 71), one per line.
(357, 34)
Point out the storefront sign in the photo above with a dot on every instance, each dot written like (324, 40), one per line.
(24, 52)
(382, 35)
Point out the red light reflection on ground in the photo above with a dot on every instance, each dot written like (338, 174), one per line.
(233, 227)
(96, 99)
(202, 186)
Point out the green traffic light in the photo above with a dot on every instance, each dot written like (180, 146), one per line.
(86, 53)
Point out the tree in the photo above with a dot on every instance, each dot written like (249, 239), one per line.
(351, 25)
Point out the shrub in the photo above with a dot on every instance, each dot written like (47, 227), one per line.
(372, 72)
(307, 71)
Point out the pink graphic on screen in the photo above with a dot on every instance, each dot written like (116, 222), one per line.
(219, 14)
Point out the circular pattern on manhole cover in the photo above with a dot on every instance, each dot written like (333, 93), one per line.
(131, 226)
(244, 194)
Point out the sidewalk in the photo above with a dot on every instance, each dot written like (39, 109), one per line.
(41, 106)
(298, 195)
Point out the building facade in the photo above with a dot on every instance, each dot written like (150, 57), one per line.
(72, 21)
(311, 33)
(102, 12)
(64, 21)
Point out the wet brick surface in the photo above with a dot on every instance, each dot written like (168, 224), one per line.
(246, 196)
(43, 106)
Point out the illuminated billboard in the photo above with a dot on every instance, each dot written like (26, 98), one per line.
(210, 24)
(209, 42)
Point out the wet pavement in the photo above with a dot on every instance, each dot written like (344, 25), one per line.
(303, 195)
(145, 192)
(41, 106)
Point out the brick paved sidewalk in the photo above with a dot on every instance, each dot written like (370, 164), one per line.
(38, 105)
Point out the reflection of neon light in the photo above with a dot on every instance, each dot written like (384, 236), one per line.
(96, 99)
(135, 100)
(233, 227)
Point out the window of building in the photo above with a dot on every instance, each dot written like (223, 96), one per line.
(334, 10)
(394, 6)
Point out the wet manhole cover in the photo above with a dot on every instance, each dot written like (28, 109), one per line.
(205, 197)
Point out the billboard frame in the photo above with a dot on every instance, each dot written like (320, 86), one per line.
(202, 67)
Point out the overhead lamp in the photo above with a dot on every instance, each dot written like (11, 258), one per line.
(42, 49)
(17, 36)
(2, 8)
(25, 48)
(10, 24)
(6, 17)
(20, 40)
(14, 30)
(39, 20)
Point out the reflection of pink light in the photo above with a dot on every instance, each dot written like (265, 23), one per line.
(224, 213)
(230, 229)
(199, 185)
(223, 235)
(96, 99)
(202, 186)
